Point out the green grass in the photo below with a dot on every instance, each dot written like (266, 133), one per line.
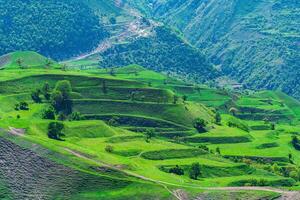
(176, 142)
(28, 59)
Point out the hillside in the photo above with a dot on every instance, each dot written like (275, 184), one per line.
(57, 29)
(132, 128)
(253, 42)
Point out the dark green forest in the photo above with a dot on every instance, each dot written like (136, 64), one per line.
(164, 51)
(56, 28)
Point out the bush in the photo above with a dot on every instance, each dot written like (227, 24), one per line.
(195, 171)
(55, 130)
(22, 106)
(200, 124)
(109, 148)
(296, 142)
(177, 170)
(49, 113)
(36, 96)
(76, 116)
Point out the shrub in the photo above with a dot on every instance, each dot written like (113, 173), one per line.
(177, 170)
(46, 91)
(36, 96)
(195, 171)
(55, 130)
(296, 142)
(109, 148)
(200, 124)
(61, 97)
(22, 106)
(49, 113)
(76, 116)
(218, 119)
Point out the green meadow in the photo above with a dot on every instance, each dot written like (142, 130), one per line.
(137, 125)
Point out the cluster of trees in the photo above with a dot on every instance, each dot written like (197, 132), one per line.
(22, 106)
(59, 99)
(56, 28)
(60, 106)
(194, 171)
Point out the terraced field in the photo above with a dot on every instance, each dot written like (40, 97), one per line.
(136, 128)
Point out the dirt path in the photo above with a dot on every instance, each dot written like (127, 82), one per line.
(181, 195)
(16, 131)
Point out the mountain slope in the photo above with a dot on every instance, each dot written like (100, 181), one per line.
(254, 42)
(57, 29)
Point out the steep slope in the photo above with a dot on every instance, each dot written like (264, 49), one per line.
(254, 42)
(59, 29)
(162, 51)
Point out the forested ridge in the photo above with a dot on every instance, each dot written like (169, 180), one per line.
(56, 28)
(255, 42)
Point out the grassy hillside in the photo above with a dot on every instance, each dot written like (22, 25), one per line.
(26, 59)
(137, 128)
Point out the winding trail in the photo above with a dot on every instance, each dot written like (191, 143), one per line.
(181, 195)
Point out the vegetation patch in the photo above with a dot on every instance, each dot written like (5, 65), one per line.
(218, 140)
(260, 159)
(268, 145)
(208, 171)
(129, 153)
(173, 154)
(287, 182)
(119, 139)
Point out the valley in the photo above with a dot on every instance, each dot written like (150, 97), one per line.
(149, 99)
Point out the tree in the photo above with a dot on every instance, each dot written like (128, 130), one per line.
(49, 113)
(112, 71)
(195, 171)
(20, 63)
(218, 151)
(200, 125)
(57, 101)
(104, 87)
(22, 106)
(46, 90)
(149, 134)
(109, 148)
(48, 63)
(35, 95)
(184, 98)
(62, 97)
(55, 130)
(218, 118)
(273, 126)
(176, 170)
(64, 87)
(296, 142)
(175, 99)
